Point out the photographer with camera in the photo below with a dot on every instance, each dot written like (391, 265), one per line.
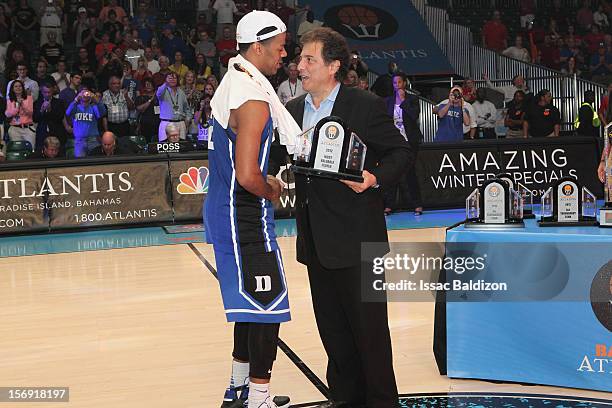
(357, 65)
(83, 115)
(456, 118)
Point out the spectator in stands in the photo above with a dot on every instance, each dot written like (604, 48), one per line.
(49, 116)
(173, 133)
(600, 18)
(515, 116)
(601, 65)
(105, 48)
(142, 71)
(81, 23)
(593, 40)
(225, 11)
(170, 44)
(83, 115)
(290, 48)
(542, 119)
(178, 67)
(453, 117)
(69, 94)
(108, 146)
(193, 99)
(469, 90)
(587, 122)
(147, 106)
(527, 10)
(91, 37)
(112, 7)
(560, 13)
(605, 109)
(518, 83)
(203, 117)
(518, 51)
(308, 24)
(383, 86)
(24, 23)
(486, 116)
(205, 47)
(173, 106)
(152, 64)
(41, 77)
(113, 27)
(553, 30)
(213, 81)
(351, 79)
(61, 77)
(133, 53)
(51, 22)
(292, 87)
(584, 16)
(549, 53)
(226, 49)
(202, 71)
(405, 110)
(51, 146)
(19, 110)
(144, 22)
(357, 65)
(51, 51)
(570, 50)
(118, 106)
(495, 33)
(571, 68)
(160, 76)
(30, 85)
(209, 91)
(364, 83)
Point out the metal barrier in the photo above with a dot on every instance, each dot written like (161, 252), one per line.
(428, 122)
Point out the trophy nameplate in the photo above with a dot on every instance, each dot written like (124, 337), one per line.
(330, 150)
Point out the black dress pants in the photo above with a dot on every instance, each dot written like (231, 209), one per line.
(356, 338)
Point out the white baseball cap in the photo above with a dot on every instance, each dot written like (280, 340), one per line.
(258, 26)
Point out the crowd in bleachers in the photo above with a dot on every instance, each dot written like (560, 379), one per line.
(574, 39)
(74, 69)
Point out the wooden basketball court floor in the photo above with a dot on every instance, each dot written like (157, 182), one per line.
(144, 327)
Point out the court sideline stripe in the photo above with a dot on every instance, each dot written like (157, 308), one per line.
(295, 359)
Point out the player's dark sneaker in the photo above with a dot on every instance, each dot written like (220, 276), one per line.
(236, 397)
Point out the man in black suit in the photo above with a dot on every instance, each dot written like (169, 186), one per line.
(335, 217)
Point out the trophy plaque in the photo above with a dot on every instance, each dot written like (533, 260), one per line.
(525, 194)
(330, 150)
(494, 205)
(567, 204)
(605, 213)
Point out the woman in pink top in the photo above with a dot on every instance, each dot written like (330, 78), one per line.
(19, 110)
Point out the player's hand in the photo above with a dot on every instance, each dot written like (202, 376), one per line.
(601, 172)
(369, 180)
(277, 187)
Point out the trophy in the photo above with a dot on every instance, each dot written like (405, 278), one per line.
(524, 192)
(494, 205)
(329, 149)
(566, 204)
(605, 214)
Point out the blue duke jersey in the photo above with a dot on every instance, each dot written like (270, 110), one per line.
(240, 226)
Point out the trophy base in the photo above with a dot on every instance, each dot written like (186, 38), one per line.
(528, 216)
(326, 174)
(482, 225)
(581, 223)
(605, 216)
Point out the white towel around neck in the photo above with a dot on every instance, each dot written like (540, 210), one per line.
(243, 82)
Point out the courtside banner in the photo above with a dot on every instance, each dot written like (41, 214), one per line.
(285, 206)
(448, 173)
(111, 194)
(189, 179)
(22, 201)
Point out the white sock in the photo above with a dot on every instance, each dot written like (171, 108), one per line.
(258, 394)
(240, 374)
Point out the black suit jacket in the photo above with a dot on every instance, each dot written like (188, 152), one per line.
(337, 218)
(410, 116)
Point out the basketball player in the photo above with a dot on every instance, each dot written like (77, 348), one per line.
(239, 213)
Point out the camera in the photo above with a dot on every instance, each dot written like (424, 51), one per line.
(457, 94)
